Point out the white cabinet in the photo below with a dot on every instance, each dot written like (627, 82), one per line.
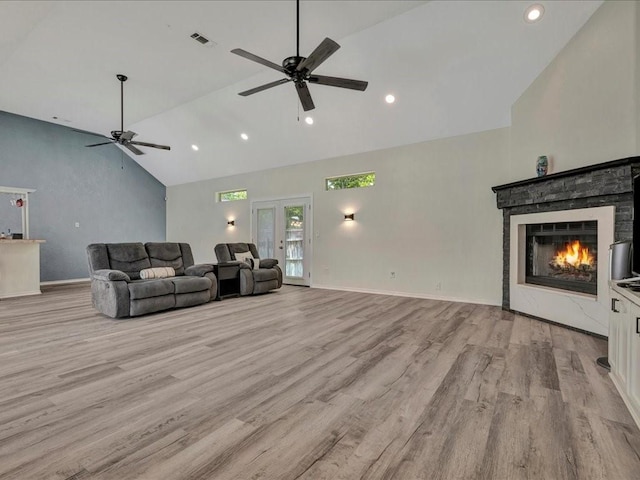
(624, 347)
(19, 267)
(633, 376)
(619, 336)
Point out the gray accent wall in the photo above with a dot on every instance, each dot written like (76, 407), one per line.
(111, 197)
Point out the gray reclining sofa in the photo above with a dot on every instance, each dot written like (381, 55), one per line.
(118, 291)
(252, 281)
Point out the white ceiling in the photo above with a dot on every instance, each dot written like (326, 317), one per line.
(455, 67)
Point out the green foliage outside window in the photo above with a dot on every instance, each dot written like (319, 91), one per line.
(351, 181)
(231, 196)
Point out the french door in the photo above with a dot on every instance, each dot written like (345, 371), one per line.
(281, 229)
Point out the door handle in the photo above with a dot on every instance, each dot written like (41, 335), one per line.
(613, 305)
(638, 325)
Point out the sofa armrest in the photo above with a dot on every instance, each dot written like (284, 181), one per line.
(242, 265)
(110, 275)
(198, 270)
(268, 262)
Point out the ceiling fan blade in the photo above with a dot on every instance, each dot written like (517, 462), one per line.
(133, 149)
(255, 58)
(264, 87)
(339, 82)
(98, 144)
(128, 135)
(152, 145)
(305, 96)
(323, 51)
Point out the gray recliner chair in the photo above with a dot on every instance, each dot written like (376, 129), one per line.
(252, 281)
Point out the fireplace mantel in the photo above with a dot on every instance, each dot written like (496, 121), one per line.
(604, 184)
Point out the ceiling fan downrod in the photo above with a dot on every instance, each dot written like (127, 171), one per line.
(122, 78)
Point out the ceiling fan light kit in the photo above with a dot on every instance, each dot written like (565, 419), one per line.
(299, 69)
(120, 136)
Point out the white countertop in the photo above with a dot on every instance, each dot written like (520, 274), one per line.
(6, 241)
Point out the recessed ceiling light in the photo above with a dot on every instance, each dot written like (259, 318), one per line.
(195, 147)
(389, 98)
(244, 136)
(309, 120)
(533, 13)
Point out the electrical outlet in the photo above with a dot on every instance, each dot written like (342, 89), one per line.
(438, 286)
(77, 224)
(393, 275)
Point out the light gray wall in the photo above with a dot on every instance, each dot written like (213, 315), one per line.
(583, 108)
(110, 195)
(431, 217)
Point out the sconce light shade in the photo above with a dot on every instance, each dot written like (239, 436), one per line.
(349, 217)
(231, 223)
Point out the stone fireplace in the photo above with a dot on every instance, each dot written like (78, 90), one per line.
(556, 235)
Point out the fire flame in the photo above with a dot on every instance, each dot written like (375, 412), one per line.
(575, 255)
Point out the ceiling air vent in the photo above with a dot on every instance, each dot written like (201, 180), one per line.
(198, 37)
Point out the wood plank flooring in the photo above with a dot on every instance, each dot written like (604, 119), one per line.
(304, 384)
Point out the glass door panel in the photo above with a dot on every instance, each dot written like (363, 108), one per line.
(294, 241)
(266, 231)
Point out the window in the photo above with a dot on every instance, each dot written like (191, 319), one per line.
(232, 195)
(351, 181)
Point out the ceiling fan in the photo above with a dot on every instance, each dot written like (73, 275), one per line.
(120, 136)
(299, 69)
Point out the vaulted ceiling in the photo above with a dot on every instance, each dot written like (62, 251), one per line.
(455, 67)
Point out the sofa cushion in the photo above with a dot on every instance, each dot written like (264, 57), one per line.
(98, 257)
(190, 299)
(246, 257)
(129, 258)
(264, 275)
(237, 248)
(166, 255)
(150, 288)
(157, 272)
(190, 284)
(143, 306)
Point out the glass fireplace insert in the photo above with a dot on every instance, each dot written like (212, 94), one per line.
(563, 255)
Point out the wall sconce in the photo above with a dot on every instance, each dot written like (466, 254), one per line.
(349, 217)
(231, 223)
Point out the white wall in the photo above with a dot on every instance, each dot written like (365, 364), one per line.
(431, 217)
(582, 109)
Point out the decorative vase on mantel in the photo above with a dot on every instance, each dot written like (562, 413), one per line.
(542, 165)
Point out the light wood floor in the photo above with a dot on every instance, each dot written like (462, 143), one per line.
(304, 384)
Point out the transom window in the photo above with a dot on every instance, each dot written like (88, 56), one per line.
(232, 195)
(357, 180)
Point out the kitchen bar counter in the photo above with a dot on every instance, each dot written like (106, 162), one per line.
(19, 267)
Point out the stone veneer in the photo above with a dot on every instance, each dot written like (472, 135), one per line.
(609, 183)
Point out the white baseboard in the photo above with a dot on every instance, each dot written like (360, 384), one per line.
(62, 282)
(405, 294)
(21, 294)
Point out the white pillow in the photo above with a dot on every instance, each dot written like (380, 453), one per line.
(157, 272)
(247, 258)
